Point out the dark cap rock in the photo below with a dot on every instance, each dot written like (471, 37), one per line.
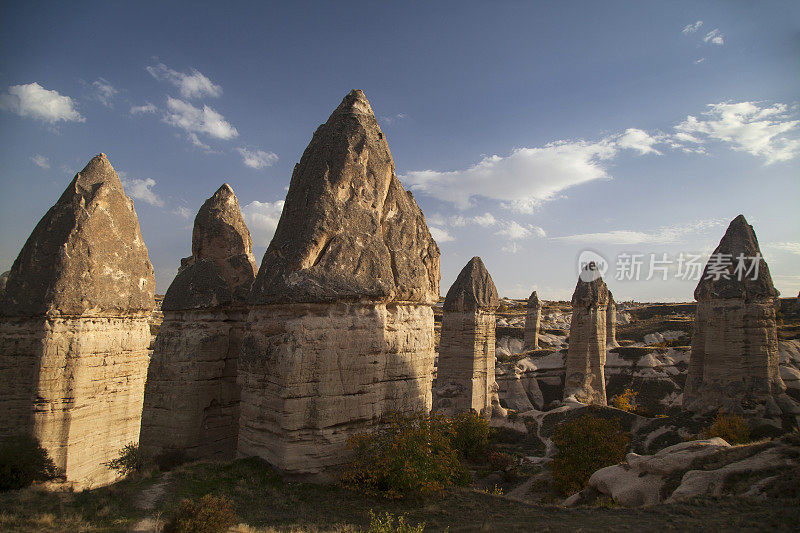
(222, 268)
(348, 231)
(86, 255)
(533, 301)
(593, 293)
(739, 239)
(473, 289)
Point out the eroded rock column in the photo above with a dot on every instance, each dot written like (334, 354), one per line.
(191, 400)
(734, 361)
(533, 317)
(586, 355)
(611, 322)
(465, 373)
(340, 331)
(74, 331)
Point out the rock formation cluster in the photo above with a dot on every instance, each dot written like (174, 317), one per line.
(533, 317)
(465, 372)
(734, 363)
(340, 328)
(191, 403)
(74, 331)
(586, 355)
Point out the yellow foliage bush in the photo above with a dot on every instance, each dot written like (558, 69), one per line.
(585, 445)
(732, 428)
(625, 400)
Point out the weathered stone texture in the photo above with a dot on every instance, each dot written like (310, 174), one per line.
(340, 329)
(465, 373)
(74, 334)
(191, 400)
(734, 363)
(533, 317)
(586, 356)
(611, 322)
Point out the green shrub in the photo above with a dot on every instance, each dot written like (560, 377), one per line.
(22, 461)
(406, 456)
(585, 445)
(386, 524)
(210, 514)
(733, 428)
(469, 434)
(131, 460)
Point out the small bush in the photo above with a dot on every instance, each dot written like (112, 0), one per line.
(500, 460)
(386, 524)
(407, 456)
(131, 460)
(210, 514)
(625, 400)
(585, 445)
(732, 428)
(22, 461)
(469, 433)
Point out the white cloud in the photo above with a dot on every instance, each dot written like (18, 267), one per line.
(390, 119)
(748, 127)
(192, 85)
(663, 235)
(515, 231)
(141, 190)
(791, 247)
(195, 120)
(692, 28)
(458, 221)
(511, 248)
(257, 159)
(639, 140)
(141, 109)
(529, 175)
(195, 140)
(714, 36)
(485, 220)
(262, 219)
(41, 161)
(698, 61)
(33, 100)
(440, 234)
(104, 91)
(183, 212)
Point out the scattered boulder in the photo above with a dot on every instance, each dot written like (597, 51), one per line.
(74, 331)
(191, 403)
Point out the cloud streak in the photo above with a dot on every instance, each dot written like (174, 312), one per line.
(195, 84)
(196, 121)
(34, 101)
(257, 159)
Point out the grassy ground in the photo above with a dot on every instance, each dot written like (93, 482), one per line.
(266, 503)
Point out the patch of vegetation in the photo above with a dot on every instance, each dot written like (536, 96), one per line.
(24, 461)
(409, 456)
(131, 461)
(626, 400)
(469, 434)
(385, 523)
(732, 428)
(209, 514)
(585, 445)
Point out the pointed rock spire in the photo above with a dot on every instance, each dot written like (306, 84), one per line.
(221, 268)
(533, 301)
(86, 255)
(590, 293)
(348, 228)
(473, 289)
(720, 278)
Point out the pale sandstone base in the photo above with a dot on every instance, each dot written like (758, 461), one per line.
(77, 385)
(312, 375)
(191, 401)
(586, 356)
(734, 363)
(465, 373)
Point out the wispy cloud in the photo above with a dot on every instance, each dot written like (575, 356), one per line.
(103, 91)
(391, 119)
(262, 219)
(639, 140)
(664, 235)
(440, 234)
(457, 221)
(195, 84)
(700, 60)
(515, 231)
(791, 247)
(183, 212)
(257, 159)
(34, 101)
(692, 28)
(748, 126)
(41, 161)
(141, 190)
(142, 109)
(196, 121)
(714, 37)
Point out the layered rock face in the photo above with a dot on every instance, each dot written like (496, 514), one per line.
(74, 331)
(586, 356)
(611, 322)
(191, 402)
(533, 317)
(340, 330)
(465, 373)
(734, 363)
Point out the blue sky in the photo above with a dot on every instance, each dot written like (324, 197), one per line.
(528, 131)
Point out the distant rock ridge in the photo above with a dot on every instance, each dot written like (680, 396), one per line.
(348, 229)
